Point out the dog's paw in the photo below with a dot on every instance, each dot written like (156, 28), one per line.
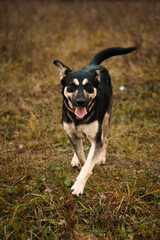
(75, 161)
(77, 188)
(101, 161)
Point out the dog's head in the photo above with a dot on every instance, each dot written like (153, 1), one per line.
(79, 88)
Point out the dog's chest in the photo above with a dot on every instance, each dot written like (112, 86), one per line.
(80, 133)
(83, 130)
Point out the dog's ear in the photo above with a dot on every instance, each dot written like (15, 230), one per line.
(97, 74)
(63, 70)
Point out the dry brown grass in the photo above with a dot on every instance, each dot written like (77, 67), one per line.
(121, 198)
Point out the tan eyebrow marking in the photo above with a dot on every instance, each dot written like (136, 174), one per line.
(85, 81)
(76, 82)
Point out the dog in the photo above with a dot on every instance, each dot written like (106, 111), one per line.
(86, 112)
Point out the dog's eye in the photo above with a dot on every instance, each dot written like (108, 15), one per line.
(89, 88)
(71, 88)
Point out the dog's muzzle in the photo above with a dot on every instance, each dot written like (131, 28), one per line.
(80, 109)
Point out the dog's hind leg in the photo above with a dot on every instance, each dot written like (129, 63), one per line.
(78, 157)
(102, 156)
(105, 129)
(75, 161)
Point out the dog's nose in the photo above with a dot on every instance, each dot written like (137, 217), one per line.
(80, 102)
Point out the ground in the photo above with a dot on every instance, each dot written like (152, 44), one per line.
(120, 200)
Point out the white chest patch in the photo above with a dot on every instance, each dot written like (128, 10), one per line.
(84, 130)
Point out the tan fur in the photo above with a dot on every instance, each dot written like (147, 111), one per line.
(98, 75)
(90, 95)
(88, 130)
(71, 95)
(105, 129)
(76, 82)
(63, 73)
(85, 81)
(62, 69)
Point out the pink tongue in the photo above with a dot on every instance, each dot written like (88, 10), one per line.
(80, 112)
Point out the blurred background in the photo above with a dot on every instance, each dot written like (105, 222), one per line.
(34, 150)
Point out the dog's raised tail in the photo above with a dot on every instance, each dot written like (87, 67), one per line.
(109, 52)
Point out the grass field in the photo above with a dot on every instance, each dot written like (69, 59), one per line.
(121, 198)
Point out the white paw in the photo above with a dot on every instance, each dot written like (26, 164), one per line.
(77, 188)
(75, 161)
(101, 161)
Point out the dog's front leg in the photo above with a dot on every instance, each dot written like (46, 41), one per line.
(86, 170)
(79, 153)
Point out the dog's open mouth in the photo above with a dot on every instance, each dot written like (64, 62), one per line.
(80, 112)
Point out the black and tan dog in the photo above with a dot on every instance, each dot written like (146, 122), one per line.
(87, 103)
